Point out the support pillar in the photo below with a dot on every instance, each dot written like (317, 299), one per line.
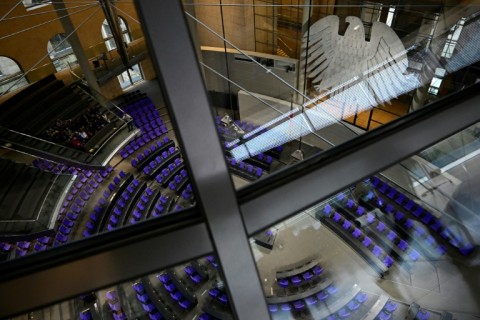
(76, 45)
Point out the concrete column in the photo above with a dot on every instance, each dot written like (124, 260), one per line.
(76, 45)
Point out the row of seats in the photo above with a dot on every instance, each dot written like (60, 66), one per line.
(193, 274)
(300, 304)
(299, 279)
(358, 236)
(244, 169)
(174, 292)
(124, 204)
(387, 311)
(404, 223)
(114, 304)
(97, 218)
(218, 294)
(350, 308)
(424, 215)
(146, 301)
(169, 172)
(160, 161)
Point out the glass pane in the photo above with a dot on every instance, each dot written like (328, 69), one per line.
(402, 244)
(191, 290)
(146, 177)
(298, 79)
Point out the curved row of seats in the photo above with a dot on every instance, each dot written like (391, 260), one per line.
(300, 304)
(424, 215)
(404, 227)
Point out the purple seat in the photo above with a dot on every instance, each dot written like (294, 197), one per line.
(427, 218)
(317, 270)
(322, 295)
(370, 218)
(138, 287)
(336, 217)
(296, 280)
(189, 270)
(356, 233)
(390, 306)
(283, 282)
(331, 289)
(360, 211)
(307, 276)
(409, 223)
(389, 208)
(223, 298)
(185, 304)
(353, 305)
(196, 278)
(361, 297)
(272, 308)
(388, 261)
(343, 313)
(402, 245)
(367, 242)
(383, 188)
(409, 205)
(384, 316)
(310, 300)
(214, 292)
(327, 209)
(176, 295)
(380, 226)
(377, 251)
(285, 307)
(350, 203)
(436, 225)
(400, 198)
(346, 225)
(170, 286)
(422, 315)
(392, 236)
(399, 216)
(418, 211)
(143, 297)
(298, 304)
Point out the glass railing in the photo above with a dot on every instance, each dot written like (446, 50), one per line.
(401, 244)
(281, 110)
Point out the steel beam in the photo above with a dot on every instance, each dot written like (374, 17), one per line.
(178, 70)
(67, 271)
(301, 186)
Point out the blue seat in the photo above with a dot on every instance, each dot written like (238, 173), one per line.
(356, 233)
(298, 304)
(343, 313)
(361, 297)
(283, 282)
(377, 251)
(390, 306)
(353, 305)
(422, 315)
(214, 292)
(272, 308)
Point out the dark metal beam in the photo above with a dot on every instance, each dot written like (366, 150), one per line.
(314, 179)
(64, 272)
(178, 70)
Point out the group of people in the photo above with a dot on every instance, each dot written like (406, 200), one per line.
(76, 132)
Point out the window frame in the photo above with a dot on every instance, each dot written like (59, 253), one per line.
(257, 206)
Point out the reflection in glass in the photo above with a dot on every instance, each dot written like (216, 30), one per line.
(192, 290)
(146, 178)
(11, 75)
(402, 244)
(61, 52)
(310, 77)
